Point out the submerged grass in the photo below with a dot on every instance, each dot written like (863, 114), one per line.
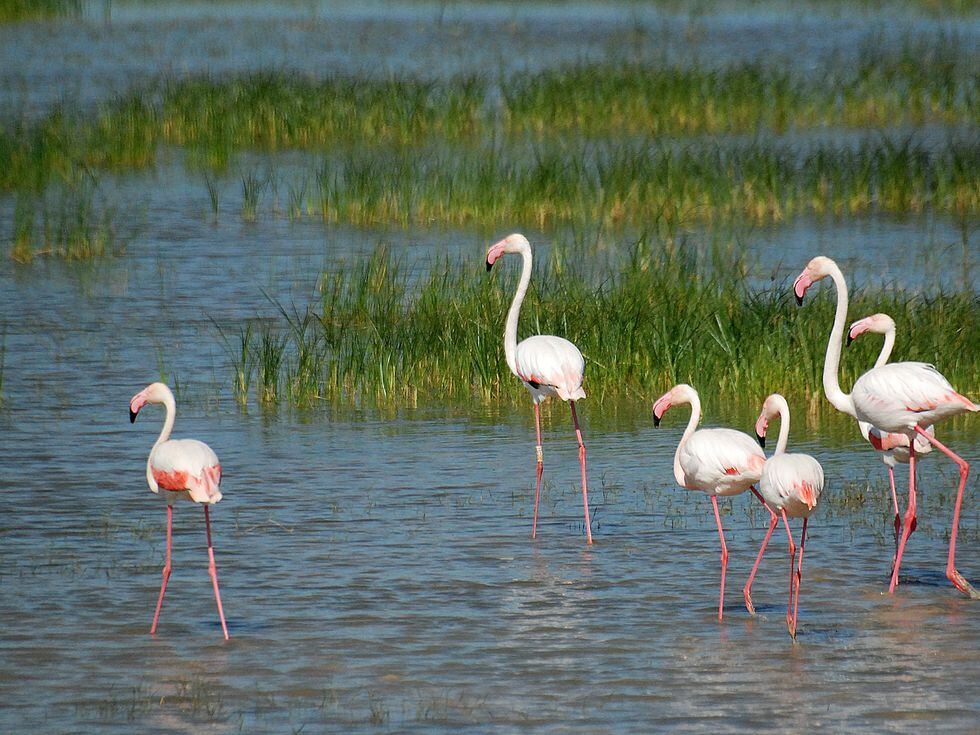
(668, 313)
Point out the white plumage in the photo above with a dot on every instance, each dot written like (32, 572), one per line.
(547, 366)
(719, 462)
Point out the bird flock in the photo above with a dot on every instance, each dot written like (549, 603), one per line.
(895, 404)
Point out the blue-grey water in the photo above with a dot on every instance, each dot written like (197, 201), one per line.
(376, 567)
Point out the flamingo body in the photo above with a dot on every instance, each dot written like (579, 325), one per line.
(719, 462)
(550, 366)
(185, 466)
(793, 483)
(900, 396)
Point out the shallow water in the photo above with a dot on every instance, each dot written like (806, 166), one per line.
(375, 566)
(116, 46)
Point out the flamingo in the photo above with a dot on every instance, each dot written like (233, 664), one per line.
(898, 444)
(547, 366)
(898, 397)
(716, 461)
(791, 484)
(184, 468)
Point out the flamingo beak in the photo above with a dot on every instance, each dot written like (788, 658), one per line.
(760, 430)
(850, 338)
(800, 285)
(495, 252)
(132, 416)
(660, 408)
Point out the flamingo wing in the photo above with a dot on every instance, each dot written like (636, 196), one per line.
(554, 362)
(187, 464)
(713, 457)
(913, 387)
(792, 481)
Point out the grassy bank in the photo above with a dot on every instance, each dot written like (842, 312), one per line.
(661, 316)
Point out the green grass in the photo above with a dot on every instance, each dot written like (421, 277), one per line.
(17, 10)
(635, 184)
(382, 336)
(65, 222)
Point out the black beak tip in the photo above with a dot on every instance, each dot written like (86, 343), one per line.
(847, 342)
(489, 266)
(132, 416)
(799, 300)
(762, 441)
(656, 420)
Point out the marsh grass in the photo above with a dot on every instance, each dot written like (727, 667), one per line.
(67, 222)
(669, 312)
(17, 10)
(638, 183)
(568, 133)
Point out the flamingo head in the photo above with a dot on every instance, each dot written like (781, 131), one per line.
(515, 243)
(876, 323)
(153, 393)
(679, 394)
(770, 408)
(816, 269)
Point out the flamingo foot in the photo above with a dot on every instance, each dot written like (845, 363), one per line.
(748, 602)
(791, 626)
(961, 584)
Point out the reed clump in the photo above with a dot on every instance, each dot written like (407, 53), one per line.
(668, 313)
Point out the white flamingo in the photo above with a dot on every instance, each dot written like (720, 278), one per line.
(716, 461)
(183, 469)
(894, 447)
(790, 484)
(548, 366)
(899, 397)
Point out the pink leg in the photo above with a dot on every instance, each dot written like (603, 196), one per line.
(799, 578)
(540, 471)
(898, 515)
(166, 569)
(581, 459)
(909, 520)
(790, 625)
(954, 576)
(213, 572)
(724, 558)
(747, 590)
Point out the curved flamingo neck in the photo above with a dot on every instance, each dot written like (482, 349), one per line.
(782, 410)
(692, 424)
(510, 328)
(831, 366)
(886, 348)
(168, 422)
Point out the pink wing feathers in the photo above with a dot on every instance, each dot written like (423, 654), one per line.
(187, 464)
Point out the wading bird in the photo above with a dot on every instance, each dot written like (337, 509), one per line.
(715, 461)
(548, 366)
(899, 443)
(182, 468)
(899, 397)
(790, 484)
